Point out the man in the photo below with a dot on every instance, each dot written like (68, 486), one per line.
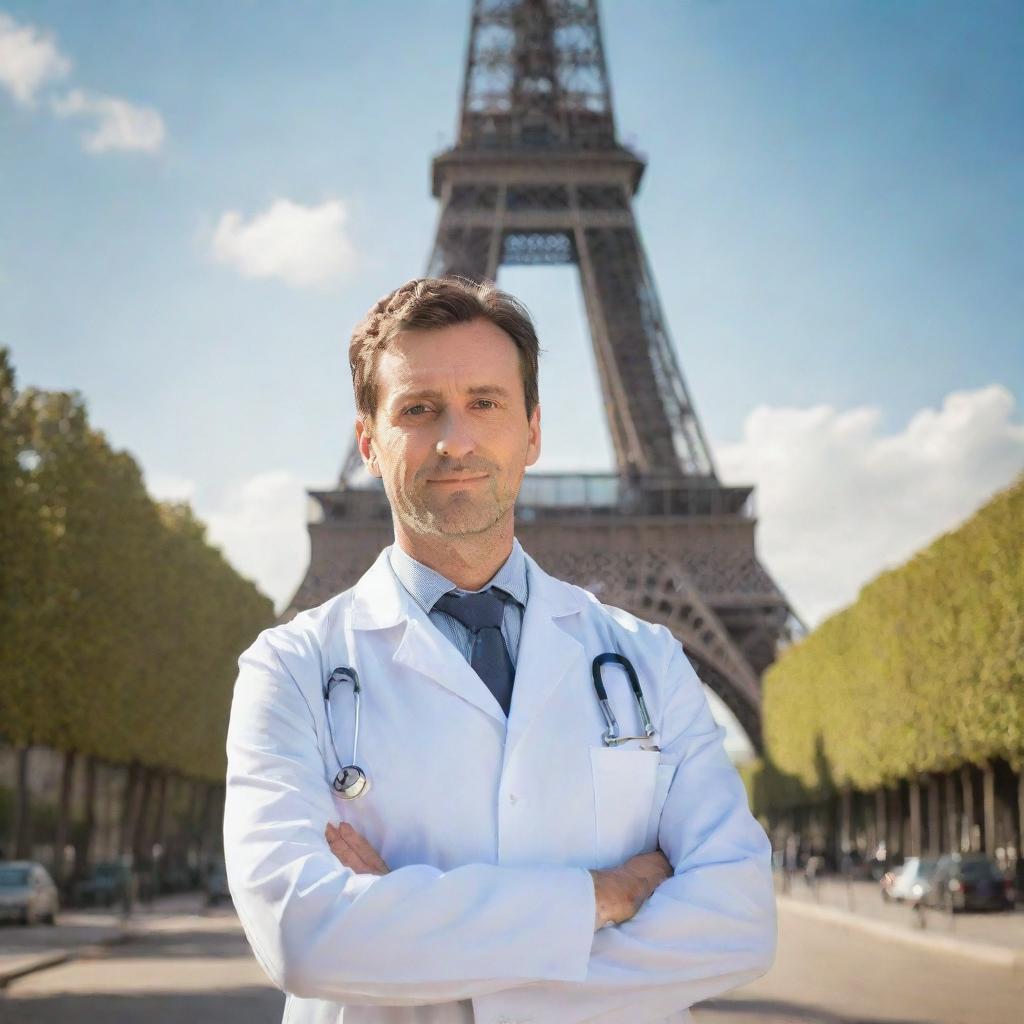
(503, 863)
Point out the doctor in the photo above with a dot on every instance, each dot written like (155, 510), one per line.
(502, 863)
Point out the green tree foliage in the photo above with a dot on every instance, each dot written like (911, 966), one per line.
(27, 609)
(121, 625)
(924, 672)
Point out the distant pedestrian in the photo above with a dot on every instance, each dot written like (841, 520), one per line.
(811, 871)
(790, 860)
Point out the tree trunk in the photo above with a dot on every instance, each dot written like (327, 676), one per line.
(204, 815)
(160, 817)
(83, 839)
(140, 831)
(846, 820)
(21, 833)
(172, 815)
(1020, 812)
(1020, 821)
(60, 836)
(213, 815)
(988, 779)
(967, 828)
(188, 840)
(129, 808)
(934, 818)
(895, 838)
(881, 832)
(952, 832)
(915, 817)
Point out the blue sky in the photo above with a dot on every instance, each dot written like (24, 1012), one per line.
(832, 208)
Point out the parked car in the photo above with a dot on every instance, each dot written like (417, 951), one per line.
(969, 881)
(105, 884)
(27, 893)
(911, 881)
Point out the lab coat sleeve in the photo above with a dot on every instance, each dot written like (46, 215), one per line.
(415, 935)
(709, 928)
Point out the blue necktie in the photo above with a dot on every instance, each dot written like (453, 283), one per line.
(481, 614)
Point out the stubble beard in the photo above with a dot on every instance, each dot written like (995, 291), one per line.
(460, 514)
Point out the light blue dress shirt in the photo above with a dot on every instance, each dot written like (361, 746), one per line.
(425, 586)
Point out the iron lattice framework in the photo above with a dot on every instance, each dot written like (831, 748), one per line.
(538, 176)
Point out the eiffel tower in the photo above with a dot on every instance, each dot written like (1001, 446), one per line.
(538, 176)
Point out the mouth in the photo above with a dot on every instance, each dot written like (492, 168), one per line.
(450, 481)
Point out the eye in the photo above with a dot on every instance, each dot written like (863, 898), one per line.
(490, 403)
(412, 407)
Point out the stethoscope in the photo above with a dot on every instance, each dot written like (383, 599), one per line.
(610, 736)
(351, 780)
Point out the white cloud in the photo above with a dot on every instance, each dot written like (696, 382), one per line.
(304, 246)
(118, 124)
(259, 524)
(29, 59)
(838, 501)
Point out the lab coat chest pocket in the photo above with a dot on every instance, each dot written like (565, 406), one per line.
(630, 786)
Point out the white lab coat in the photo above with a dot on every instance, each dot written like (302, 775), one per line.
(487, 915)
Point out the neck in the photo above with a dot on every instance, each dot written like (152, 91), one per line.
(469, 561)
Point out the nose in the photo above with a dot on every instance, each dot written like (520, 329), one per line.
(455, 440)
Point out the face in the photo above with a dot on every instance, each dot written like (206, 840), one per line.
(450, 438)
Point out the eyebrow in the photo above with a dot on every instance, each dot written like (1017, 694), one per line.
(476, 389)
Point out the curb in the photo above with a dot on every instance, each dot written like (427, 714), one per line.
(985, 952)
(56, 957)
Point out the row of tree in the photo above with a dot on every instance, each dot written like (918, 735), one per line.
(923, 673)
(120, 626)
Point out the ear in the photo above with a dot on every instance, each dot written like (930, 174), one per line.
(365, 443)
(533, 445)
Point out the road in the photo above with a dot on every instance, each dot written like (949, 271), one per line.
(198, 968)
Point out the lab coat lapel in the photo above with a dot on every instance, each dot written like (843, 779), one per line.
(546, 650)
(381, 602)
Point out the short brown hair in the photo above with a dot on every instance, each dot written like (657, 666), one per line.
(425, 303)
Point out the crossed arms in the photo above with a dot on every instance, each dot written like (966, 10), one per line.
(518, 939)
(618, 893)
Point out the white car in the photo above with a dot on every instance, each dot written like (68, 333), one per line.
(912, 880)
(27, 893)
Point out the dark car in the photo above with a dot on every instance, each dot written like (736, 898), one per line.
(969, 881)
(105, 885)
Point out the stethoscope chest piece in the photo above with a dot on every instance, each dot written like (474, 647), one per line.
(351, 782)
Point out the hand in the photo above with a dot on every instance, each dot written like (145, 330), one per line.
(353, 850)
(620, 892)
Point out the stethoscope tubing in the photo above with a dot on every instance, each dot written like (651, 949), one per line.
(351, 781)
(610, 736)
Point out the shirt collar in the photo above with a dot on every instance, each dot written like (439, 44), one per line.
(426, 585)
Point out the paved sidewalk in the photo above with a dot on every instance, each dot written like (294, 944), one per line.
(995, 937)
(83, 933)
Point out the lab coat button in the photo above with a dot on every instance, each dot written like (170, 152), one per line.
(512, 798)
